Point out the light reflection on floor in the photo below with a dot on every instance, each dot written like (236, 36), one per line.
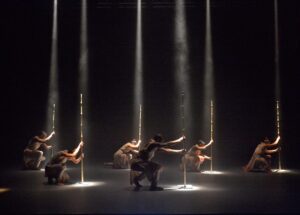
(87, 184)
(212, 172)
(191, 187)
(187, 187)
(282, 171)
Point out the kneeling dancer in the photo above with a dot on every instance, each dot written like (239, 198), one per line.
(148, 168)
(56, 168)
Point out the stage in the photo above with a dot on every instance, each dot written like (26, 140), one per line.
(108, 71)
(108, 191)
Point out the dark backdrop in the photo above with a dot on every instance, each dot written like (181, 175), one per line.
(243, 47)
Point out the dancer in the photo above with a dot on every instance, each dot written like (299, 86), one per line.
(146, 167)
(260, 160)
(33, 154)
(194, 157)
(56, 168)
(123, 156)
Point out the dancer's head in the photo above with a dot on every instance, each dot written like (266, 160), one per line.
(42, 134)
(266, 140)
(158, 138)
(201, 143)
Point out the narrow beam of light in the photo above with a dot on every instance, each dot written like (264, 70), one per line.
(208, 74)
(83, 61)
(182, 65)
(53, 79)
(138, 78)
(276, 55)
(277, 76)
(182, 77)
(83, 82)
(83, 64)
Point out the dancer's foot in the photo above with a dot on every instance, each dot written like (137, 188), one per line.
(50, 181)
(154, 188)
(136, 183)
(246, 169)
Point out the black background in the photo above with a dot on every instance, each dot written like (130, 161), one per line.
(243, 47)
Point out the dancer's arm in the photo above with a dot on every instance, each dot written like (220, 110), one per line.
(274, 143)
(205, 146)
(47, 146)
(133, 151)
(76, 161)
(74, 153)
(271, 151)
(134, 146)
(172, 150)
(174, 141)
(43, 140)
(206, 157)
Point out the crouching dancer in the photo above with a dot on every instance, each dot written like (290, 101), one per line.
(56, 168)
(123, 156)
(195, 157)
(33, 154)
(146, 167)
(260, 160)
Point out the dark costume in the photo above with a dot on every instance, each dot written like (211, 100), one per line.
(145, 166)
(32, 155)
(56, 168)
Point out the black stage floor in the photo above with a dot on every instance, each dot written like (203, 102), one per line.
(229, 192)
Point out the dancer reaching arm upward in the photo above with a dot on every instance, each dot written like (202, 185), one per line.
(33, 154)
(56, 168)
(194, 157)
(123, 156)
(261, 156)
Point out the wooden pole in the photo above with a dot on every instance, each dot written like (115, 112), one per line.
(53, 125)
(81, 137)
(278, 131)
(140, 124)
(211, 132)
(183, 133)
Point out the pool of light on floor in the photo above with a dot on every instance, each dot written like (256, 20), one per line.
(87, 184)
(212, 173)
(282, 171)
(186, 188)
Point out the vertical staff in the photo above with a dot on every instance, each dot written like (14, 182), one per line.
(140, 124)
(211, 132)
(81, 136)
(183, 133)
(278, 132)
(53, 125)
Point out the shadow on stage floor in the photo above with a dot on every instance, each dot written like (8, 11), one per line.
(108, 191)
